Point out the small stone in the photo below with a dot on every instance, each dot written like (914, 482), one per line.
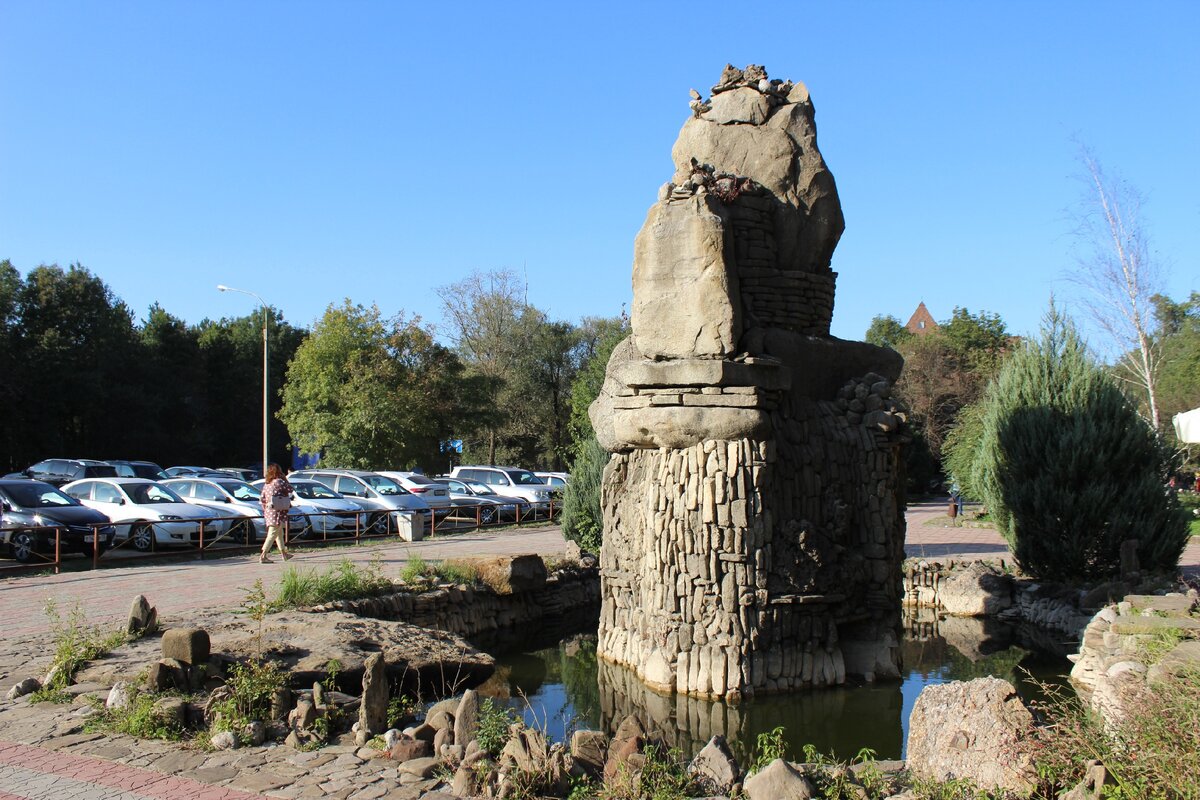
(27, 686)
(118, 697)
(225, 740)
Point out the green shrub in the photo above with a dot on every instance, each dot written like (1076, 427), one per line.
(415, 570)
(582, 519)
(1066, 465)
(768, 746)
(457, 572)
(253, 686)
(494, 720)
(139, 719)
(75, 643)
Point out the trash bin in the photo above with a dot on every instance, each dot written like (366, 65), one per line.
(410, 526)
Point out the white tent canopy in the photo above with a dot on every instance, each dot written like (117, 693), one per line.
(1187, 426)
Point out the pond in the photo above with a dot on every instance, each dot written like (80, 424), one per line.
(564, 687)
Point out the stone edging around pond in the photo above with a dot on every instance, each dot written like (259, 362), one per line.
(982, 589)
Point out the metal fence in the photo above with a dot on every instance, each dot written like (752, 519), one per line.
(43, 547)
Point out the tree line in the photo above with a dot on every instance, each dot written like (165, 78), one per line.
(83, 377)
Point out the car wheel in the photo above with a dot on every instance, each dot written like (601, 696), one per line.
(23, 545)
(143, 538)
(487, 515)
(243, 532)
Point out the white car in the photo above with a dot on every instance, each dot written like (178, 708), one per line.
(146, 511)
(555, 480)
(230, 497)
(512, 481)
(436, 494)
(332, 513)
(391, 505)
(501, 507)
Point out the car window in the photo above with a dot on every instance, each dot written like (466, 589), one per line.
(81, 491)
(385, 486)
(125, 471)
(479, 488)
(419, 480)
(106, 493)
(151, 493)
(523, 477)
(553, 481)
(32, 495)
(311, 490)
(240, 490)
(97, 471)
(495, 478)
(455, 486)
(206, 491)
(41, 467)
(350, 486)
(56, 466)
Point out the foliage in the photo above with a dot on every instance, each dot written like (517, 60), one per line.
(590, 378)
(582, 517)
(401, 708)
(887, 331)
(494, 722)
(140, 718)
(768, 746)
(1153, 751)
(75, 643)
(836, 780)
(961, 446)
(371, 393)
(415, 570)
(1067, 467)
(663, 776)
(946, 369)
(253, 686)
(457, 572)
(342, 581)
(1178, 342)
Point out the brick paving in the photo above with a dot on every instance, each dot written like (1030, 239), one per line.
(43, 754)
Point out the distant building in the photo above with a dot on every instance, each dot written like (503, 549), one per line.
(921, 322)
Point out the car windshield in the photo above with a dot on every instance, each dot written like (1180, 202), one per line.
(311, 490)
(420, 480)
(240, 490)
(478, 488)
(385, 486)
(37, 496)
(523, 477)
(151, 493)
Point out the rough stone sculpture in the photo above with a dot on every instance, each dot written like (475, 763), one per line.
(753, 511)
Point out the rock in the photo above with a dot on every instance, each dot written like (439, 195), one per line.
(1105, 593)
(24, 687)
(466, 782)
(302, 716)
(511, 574)
(683, 283)
(406, 748)
(590, 750)
(466, 718)
(173, 710)
(372, 714)
(255, 733)
(118, 697)
(225, 740)
(391, 736)
(714, 767)
(143, 618)
(978, 730)
(974, 591)
(744, 105)
(779, 780)
(440, 719)
(425, 732)
(1092, 786)
(624, 750)
(186, 645)
(442, 738)
(420, 767)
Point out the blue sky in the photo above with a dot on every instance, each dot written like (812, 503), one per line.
(315, 151)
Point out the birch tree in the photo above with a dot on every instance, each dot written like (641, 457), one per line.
(1120, 277)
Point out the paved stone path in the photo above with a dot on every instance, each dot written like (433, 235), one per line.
(44, 754)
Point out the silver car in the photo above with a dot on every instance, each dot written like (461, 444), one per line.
(332, 513)
(393, 506)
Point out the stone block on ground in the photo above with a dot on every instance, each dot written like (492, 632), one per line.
(511, 574)
(779, 780)
(372, 713)
(976, 730)
(715, 767)
(143, 617)
(974, 591)
(187, 645)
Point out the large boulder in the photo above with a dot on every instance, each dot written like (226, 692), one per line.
(976, 590)
(779, 780)
(978, 730)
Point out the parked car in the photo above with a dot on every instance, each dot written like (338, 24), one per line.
(200, 472)
(247, 474)
(145, 511)
(557, 480)
(436, 494)
(61, 471)
(503, 506)
(384, 496)
(332, 513)
(32, 508)
(230, 497)
(136, 469)
(512, 481)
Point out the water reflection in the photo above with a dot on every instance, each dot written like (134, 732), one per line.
(563, 688)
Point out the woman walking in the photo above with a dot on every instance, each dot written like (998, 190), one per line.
(276, 500)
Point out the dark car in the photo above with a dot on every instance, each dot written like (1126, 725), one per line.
(60, 471)
(136, 469)
(33, 509)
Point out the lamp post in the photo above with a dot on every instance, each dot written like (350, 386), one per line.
(266, 410)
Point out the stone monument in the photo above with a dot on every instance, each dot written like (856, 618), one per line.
(753, 504)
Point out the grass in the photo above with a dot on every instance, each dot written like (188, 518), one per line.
(342, 581)
(140, 719)
(75, 644)
(1191, 502)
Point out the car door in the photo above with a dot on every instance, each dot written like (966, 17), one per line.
(349, 486)
(108, 500)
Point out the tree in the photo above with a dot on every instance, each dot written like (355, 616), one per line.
(1178, 343)
(1067, 466)
(887, 331)
(373, 393)
(1120, 276)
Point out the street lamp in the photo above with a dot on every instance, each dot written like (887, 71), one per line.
(266, 411)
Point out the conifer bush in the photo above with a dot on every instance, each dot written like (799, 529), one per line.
(582, 519)
(1066, 465)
